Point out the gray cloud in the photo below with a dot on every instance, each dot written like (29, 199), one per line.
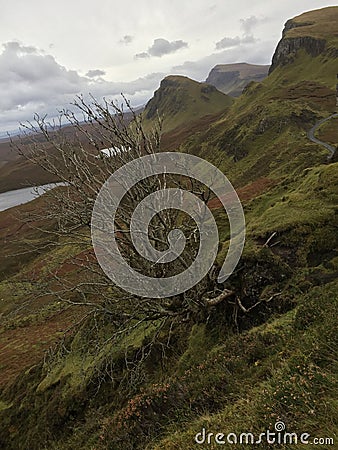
(142, 55)
(247, 37)
(31, 81)
(162, 47)
(16, 47)
(228, 42)
(249, 23)
(95, 73)
(127, 39)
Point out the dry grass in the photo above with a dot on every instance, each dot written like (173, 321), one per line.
(328, 132)
(320, 23)
(24, 346)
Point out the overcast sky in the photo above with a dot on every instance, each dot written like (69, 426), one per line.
(52, 51)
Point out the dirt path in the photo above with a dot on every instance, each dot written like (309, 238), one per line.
(311, 136)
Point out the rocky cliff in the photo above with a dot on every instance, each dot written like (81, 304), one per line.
(289, 46)
(314, 32)
(232, 78)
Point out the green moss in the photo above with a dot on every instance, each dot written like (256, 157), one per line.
(198, 346)
(328, 132)
(311, 202)
(4, 405)
(80, 364)
(293, 379)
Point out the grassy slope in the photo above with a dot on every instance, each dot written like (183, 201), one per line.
(320, 23)
(328, 132)
(31, 320)
(264, 133)
(180, 101)
(283, 363)
(218, 379)
(283, 370)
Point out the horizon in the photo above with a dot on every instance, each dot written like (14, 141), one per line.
(44, 67)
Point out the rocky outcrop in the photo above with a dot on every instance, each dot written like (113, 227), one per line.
(232, 78)
(218, 77)
(288, 46)
(166, 91)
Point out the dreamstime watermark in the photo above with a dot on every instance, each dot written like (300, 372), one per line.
(278, 436)
(104, 233)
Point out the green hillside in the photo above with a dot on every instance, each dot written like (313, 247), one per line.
(265, 131)
(180, 101)
(320, 23)
(266, 354)
(312, 34)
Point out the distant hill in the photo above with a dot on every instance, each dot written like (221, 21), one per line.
(254, 136)
(17, 172)
(232, 78)
(124, 374)
(180, 100)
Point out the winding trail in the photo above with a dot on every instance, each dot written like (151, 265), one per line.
(311, 136)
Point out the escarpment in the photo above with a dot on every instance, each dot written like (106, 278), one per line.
(288, 46)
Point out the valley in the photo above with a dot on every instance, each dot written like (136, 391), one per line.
(84, 364)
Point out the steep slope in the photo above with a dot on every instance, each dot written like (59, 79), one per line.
(309, 47)
(267, 355)
(232, 78)
(265, 131)
(180, 100)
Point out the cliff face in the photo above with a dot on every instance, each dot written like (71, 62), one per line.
(288, 47)
(315, 32)
(232, 78)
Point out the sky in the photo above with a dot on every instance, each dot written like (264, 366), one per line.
(52, 51)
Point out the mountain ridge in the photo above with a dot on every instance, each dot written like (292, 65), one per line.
(232, 78)
(311, 31)
(265, 355)
(180, 99)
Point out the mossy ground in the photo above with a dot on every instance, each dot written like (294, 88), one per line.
(225, 370)
(279, 364)
(328, 132)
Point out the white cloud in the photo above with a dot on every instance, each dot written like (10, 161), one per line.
(249, 23)
(228, 42)
(32, 81)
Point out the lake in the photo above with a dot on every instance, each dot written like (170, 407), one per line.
(17, 197)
